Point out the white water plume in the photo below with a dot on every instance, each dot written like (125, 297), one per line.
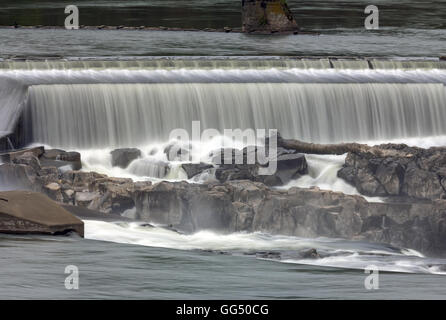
(91, 116)
(336, 252)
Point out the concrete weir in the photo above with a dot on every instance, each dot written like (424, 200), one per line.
(23, 212)
(267, 16)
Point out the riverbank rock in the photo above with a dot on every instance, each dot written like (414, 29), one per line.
(267, 16)
(24, 212)
(60, 159)
(123, 157)
(85, 189)
(248, 206)
(244, 164)
(417, 173)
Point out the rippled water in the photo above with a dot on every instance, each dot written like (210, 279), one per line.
(33, 268)
(113, 43)
(311, 14)
(407, 28)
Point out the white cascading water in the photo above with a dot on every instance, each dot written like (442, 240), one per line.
(335, 252)
(94, 107)
(122, 115)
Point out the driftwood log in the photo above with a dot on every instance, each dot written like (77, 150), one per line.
(339, 149)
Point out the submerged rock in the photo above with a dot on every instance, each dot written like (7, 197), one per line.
(24, 212)
(123, 157)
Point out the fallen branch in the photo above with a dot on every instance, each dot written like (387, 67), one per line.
(339, 149)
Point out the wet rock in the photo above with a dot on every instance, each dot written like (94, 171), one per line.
(310, 254)
(237, 206)
(418, 173)
(10, 156)
(28, 159)
(244, 165)
(193, 169)
(18, 176)
(24, 212)
(53, 190)
(267, 16)
(85, 199)
(174, 152)
(123, 157)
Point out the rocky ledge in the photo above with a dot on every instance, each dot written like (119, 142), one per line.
(32, 213)
(402, 172)
(235, 205)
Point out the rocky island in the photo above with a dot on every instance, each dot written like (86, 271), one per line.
(411, 179)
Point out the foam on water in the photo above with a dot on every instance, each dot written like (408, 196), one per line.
(336, 253)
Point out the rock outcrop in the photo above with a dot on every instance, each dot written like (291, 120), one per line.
(243, 164)
(251, 206)
(413, 172)
(123, 157)
(267, 16)
(238, 204)
(85, 189)
(23, 212)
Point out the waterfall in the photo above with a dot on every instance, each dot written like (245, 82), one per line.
(120, 115)
(12, 98)
(90, 103)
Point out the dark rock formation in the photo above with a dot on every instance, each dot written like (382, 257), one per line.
(175, 153)
(11, 155)
(244, 205)
(290, 165)
(267, 16)
(85, 189)
(415, 172)
(193, 169)
(60, 158)
(123, 157)
(24, 212)
(251, 206)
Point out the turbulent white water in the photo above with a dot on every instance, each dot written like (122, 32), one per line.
(334, 252)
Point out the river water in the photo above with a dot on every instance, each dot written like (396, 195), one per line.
(92, 74)
(33, 268)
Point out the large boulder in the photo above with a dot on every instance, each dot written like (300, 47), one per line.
(239, 165)
(267, 16)
(123, 157)
(61, 159)
(416, 173)
(23, 212)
